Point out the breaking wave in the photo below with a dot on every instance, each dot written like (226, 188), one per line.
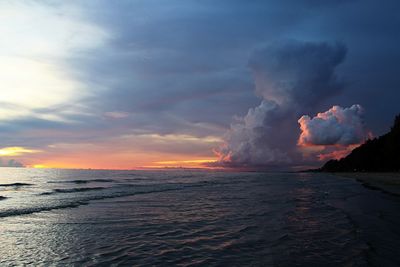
(15, 185)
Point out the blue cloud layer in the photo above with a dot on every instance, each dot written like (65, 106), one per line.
(186, 67)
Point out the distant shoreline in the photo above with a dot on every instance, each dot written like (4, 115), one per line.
(387, 182)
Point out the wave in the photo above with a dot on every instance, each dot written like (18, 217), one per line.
(85, 199)
(30, 210)
(72, 204)
(72, 190)
(82, 181)
(15, 185)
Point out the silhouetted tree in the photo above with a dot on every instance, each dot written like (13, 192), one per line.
(376, 155)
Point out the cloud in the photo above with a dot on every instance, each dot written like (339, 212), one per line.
(39, 37)
(181, 68)
(247, 142)
(116, 114)
(16, 151)
(125, 152)
(291, 77)
(335, 152)
(158, 57)
(337, 126)
(10, 163)
(332, 134)
(297, 73)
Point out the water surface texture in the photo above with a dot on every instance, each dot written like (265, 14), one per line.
(185, 218)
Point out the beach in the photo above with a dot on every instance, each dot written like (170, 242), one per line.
(388, 182)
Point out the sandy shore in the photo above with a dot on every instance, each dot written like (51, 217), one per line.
(387, 182)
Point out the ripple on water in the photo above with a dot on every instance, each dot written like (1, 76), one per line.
(268, 220)
(72, 190)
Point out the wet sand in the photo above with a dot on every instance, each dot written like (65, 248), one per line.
(386, 182)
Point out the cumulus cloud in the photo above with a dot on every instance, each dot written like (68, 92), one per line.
(291, 77)
(337, 126)
(11, 163)
(332, 134)
(246, 144)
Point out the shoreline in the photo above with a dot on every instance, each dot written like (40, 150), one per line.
(387, 182)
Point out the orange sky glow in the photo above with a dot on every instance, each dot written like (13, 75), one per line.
(85, 161)
(112, 155)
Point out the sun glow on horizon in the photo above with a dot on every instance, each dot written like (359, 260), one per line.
(39, 166)
(192, 163)
(118, 161)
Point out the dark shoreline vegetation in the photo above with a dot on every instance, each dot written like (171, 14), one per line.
(380, 154)
(375, 164)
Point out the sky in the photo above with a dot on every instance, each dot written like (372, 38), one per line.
(211, 84)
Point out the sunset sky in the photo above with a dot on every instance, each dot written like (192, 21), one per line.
(213, 84)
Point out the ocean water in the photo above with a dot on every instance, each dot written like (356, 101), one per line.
(187, 218)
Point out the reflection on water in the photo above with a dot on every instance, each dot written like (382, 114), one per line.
(194, 218)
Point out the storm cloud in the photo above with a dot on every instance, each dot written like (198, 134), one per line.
(297, 73)
(291, 77)
(248, 143)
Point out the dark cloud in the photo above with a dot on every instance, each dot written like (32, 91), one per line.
(297, 73)
(187, 59)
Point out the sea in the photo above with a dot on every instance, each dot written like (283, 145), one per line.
(55, 217)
